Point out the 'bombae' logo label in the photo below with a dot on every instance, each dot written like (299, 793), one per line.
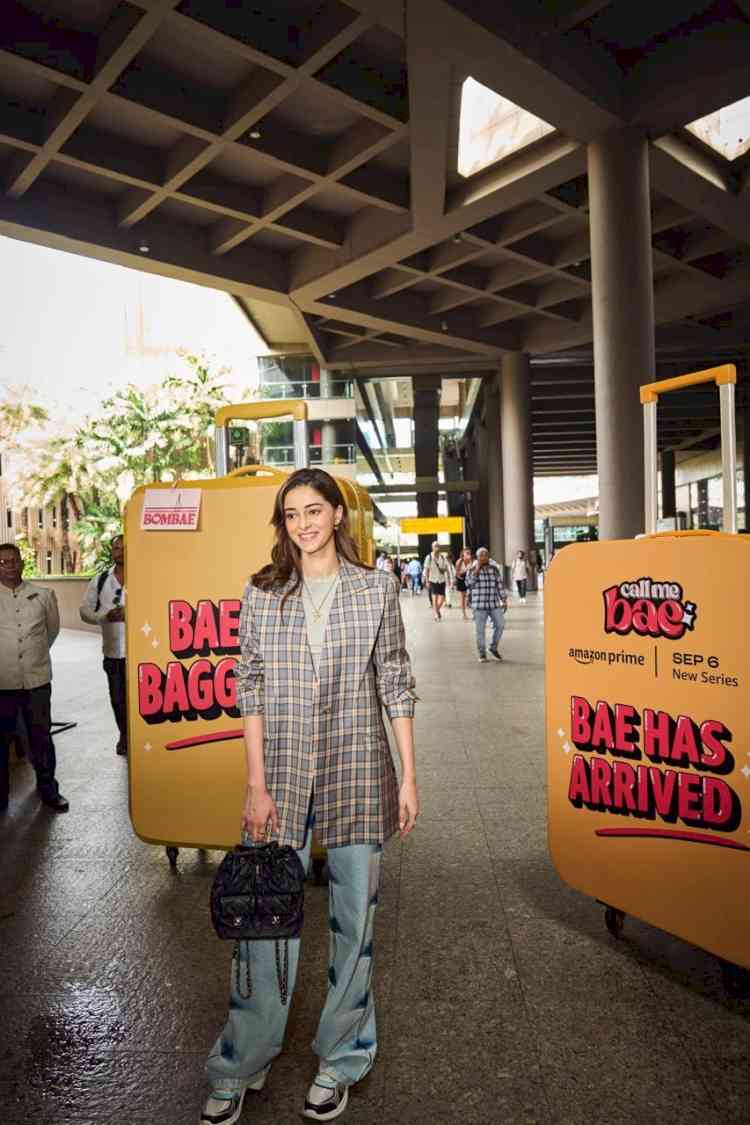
(649, 609)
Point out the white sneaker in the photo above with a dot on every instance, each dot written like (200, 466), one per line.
(523, 601)
(323, 1103)
(225, 1108)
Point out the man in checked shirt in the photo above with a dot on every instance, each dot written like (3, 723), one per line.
(488, 599)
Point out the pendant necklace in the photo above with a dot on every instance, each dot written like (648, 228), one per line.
(318, 609)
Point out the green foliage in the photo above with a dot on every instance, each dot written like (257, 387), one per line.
(28, 555)
(137, 437)
(18, 416)
(276, 433)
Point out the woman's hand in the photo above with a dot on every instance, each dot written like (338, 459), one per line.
(258, 811)
(408, 807)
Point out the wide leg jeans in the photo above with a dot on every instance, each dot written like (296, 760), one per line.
(346, 1041)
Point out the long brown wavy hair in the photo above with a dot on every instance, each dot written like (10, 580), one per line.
(285, 555)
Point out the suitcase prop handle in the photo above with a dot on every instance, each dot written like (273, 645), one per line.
(266, 470)
(725, 378)
(255, 411)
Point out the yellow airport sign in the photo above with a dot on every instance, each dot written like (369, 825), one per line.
(431, 525)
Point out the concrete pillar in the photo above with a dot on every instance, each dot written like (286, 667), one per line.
(326, 381)
(452, 472)
(426, 390)
(623, 322)
(495, 472)
(518, 473)
(475, 501)
(328, 442)
(668, 493)
(480, 500)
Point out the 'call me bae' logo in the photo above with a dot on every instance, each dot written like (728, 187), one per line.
(648, 608)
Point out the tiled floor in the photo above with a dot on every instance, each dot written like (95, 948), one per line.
(501, 997)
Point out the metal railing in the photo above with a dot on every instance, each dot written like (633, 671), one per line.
(333, 388)
(335, 455)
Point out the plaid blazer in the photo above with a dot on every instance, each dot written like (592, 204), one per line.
(325, 733)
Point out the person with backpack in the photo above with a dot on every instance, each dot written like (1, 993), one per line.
(435, 574)
(104, 604)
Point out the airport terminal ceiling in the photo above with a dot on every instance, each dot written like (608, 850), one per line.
(304, 157)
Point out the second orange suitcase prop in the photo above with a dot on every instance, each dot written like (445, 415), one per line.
(648, 726)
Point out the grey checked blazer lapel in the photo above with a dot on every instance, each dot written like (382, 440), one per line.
(297, 652)
(352, 623)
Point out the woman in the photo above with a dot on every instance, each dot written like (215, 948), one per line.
(435, 573)
(463, 563)
(322, 648)
(520, 574)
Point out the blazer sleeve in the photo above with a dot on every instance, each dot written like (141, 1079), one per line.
(394, 677)
(249, 672)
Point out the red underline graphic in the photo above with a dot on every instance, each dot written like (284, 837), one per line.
(670, 834)
(200, 739)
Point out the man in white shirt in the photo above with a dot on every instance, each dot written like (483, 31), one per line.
(435, 575)
(103, 604)
(29, 624)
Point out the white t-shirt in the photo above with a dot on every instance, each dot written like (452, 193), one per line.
(323, 592)
(519, 570)
(111, 597)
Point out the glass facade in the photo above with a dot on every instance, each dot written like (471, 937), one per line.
(702, 503)
(330, 441)
(300, 377)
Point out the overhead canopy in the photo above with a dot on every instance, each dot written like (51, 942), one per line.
(304, 158)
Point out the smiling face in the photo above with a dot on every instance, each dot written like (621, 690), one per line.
(309, 519)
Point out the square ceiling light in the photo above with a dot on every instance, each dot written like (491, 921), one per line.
(492, 127)
(727, 131)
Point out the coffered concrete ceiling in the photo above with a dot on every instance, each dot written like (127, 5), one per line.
(301, 155)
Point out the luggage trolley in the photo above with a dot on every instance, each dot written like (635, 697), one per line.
(647, 725)
(190, 547)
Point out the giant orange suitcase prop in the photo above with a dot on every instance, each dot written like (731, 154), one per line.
(188, 557)
(648, 725)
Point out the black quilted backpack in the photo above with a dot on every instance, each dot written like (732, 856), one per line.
(257, 895)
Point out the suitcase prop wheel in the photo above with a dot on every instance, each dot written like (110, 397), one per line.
(647, 724)
(190, 547)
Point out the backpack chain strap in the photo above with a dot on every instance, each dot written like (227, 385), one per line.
(282, 970)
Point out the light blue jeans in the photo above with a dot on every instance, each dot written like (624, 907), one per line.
(346, 1041)
(497, 618)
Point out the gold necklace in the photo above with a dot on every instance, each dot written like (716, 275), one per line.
(317, 610)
